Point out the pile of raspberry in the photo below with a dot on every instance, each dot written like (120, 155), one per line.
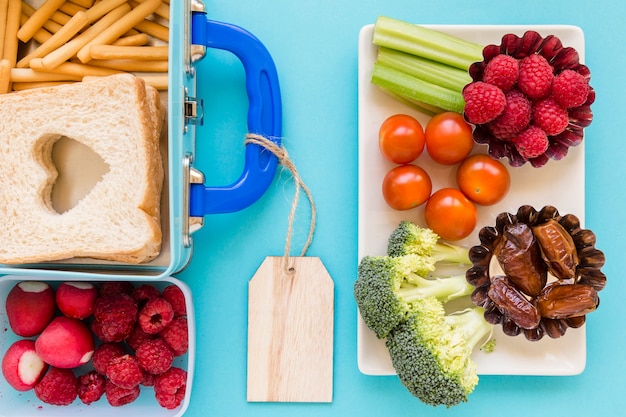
(140, 332)
(529, 100)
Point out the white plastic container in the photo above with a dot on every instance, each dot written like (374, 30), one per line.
(25, 404)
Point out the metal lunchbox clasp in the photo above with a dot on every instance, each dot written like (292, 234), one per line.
(264, 117)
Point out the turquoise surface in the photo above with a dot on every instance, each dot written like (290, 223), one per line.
(314, 45)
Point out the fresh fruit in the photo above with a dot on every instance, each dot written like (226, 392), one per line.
(118, 396)
(57, 387)
(483, 179)
(21, 366)
(401, 138)
(448, 138)
(76, 299)
(176, 335)
(515, 117)
(483, 102)
(155, 356)
(124, 371)
(30, 307)
(104, 353)
(170, 387)
(114, 317)
(502, 71)
(555, 84)
(155, 315)
(65, 343)
(532, 142)
(450, 214)
(91, 387)
(406, 187)
(176, 298)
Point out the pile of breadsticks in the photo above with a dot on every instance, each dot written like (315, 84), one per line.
(64, 41)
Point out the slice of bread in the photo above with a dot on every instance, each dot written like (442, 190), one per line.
(119, 118)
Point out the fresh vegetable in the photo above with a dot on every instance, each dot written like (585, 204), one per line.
(448, 138)
(483, 179)
(524, 299)
(425, 67)
(401, 138)
(401, 297)
(450, 214)
(406, 186)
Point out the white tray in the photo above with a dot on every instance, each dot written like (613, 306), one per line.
(558, 183)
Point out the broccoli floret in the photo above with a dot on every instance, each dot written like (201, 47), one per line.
(431, 351)
(386, 286)
(409, 238)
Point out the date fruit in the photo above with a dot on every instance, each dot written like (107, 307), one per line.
(557, 249)
(513, 304)
(562, 301)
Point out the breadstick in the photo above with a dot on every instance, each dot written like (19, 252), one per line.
(117, 29)
(42, 84)
(133, 40)
(67, 32)
(14, 12)
(28, 75)
(4, 10)
(5, 76)
(148, 53)
(157, 81)
(83, 3)
(68, 50)
(71, 8)
(154, 29)
(75, 69)
(37, 20)
(41, 36)
(131, 65)
(50, 25)
(60, 17)
(163, 10)
(101, 8)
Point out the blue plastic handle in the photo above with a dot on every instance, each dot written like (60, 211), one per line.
(264, 117)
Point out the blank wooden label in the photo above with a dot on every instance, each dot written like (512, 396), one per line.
(290, 332)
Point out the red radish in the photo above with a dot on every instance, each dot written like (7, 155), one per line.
(65, 343)
(76, 299)
(21, 366)
(30, 307)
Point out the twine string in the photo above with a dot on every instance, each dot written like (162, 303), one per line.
(283, 157)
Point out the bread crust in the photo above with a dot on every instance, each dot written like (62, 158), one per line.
(118, 117)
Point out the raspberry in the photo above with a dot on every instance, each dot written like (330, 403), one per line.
(118, 396)
(532, 142)
(155, 356)
(176, 335)
(145, 292)
(114, 317)
(483, 102)
(124, 371)
(91, 387)
(502, 71)
(176, 298)
(550, 117)
(148, 379)
(514, 118)
(155, 315)
(170, 387)
(535, 76)
(115, 288)
(103, 355)
(137, 337)
(57, 387)
(570, 89)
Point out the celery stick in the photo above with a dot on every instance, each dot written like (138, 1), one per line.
(415, 89)
(427, 43)
(425, 69)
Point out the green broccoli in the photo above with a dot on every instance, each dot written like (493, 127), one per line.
(430, 351)
(409, 238)
(387, 286)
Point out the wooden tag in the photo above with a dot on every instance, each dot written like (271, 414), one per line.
(290, 332)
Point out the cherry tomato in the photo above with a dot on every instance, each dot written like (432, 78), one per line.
(406, 187)
(450, 214)
(401, 138)
(482, 179)
(448, 138)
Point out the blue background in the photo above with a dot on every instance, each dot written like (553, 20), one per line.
(314, 45)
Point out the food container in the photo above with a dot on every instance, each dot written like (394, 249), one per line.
(185, 198)
(25, 404)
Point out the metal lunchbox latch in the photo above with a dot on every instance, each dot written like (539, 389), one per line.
(193, 110)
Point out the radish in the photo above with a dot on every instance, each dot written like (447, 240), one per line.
(65, 343)
(30, 307)
(21, 366)
(76, 299)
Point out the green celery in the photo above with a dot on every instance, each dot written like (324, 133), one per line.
(415, 89)
(427, 43)
(425, 69)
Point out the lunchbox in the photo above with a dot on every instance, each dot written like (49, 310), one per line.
(186, 199)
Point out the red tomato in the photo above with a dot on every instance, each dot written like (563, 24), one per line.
(482, 179)
(448, 138)
(401, 138)
(406, 187)
(450, 214)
